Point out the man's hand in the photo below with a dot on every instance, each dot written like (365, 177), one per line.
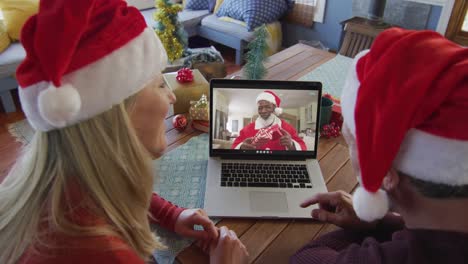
(190, 217)
(229, 249)
(336, 208)
(247, 144)
(286, 140)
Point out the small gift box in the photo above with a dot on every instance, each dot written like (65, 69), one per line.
(271, 133)
(199, 110)
(188, 91)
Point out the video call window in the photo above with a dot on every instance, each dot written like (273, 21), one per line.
(250, 119)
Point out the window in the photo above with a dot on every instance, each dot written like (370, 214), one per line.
(306, 12)
(457, 29)
(235, 125)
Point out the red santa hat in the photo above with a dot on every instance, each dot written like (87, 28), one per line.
(406, 103)
(83, 57)
(271, 97)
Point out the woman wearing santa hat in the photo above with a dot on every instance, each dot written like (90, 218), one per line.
(82, 190)
(405, 108)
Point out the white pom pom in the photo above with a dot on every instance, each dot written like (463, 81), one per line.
(370, 206)
(59, 105)
(278, 111)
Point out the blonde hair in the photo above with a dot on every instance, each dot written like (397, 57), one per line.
(105, 160)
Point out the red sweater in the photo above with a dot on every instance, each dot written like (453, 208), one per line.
(163, 212)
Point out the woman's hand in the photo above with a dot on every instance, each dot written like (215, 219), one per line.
(184, 226)
(336, 208)
(229, 249)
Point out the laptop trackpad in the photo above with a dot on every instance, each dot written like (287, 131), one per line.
(268, 202)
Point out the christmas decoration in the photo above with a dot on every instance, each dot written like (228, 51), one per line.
(184, 75)
(201, 125)
(254, 68)
(179, 122)
(199, 109)
(169, 29)
(330, 130)
(271, 133)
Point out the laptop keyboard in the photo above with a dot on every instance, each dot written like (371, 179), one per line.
(265, 175)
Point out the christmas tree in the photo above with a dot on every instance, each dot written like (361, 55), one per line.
(254, 68)
(169, 29)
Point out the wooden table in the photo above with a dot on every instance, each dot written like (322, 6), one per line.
(274, 241)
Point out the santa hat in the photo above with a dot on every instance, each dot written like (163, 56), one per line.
(83, 57)
(271, 97)
(406, 103)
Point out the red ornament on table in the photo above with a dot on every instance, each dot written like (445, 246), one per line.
(179, 122)
(184, 75)
(330, 130)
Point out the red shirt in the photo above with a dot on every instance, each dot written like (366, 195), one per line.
(91, 250)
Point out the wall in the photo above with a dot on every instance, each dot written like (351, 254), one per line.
(329, 32)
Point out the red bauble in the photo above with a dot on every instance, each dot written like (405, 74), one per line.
(179, 122)
(184, 75)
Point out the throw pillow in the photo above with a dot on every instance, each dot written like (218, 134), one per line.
(4, 38)
(254, 12)
(196, 4)
(15, 13)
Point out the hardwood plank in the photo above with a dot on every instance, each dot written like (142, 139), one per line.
(324, 146)
(333, 162)
(298, 233)
(291, 66)
(345, 179)
(259, 236)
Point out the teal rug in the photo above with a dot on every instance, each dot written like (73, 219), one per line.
(332, 74)
(181, 179)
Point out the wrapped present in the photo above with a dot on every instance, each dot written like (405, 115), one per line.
(199, 110)
(200, 125)
(188, 91)
(270, 133)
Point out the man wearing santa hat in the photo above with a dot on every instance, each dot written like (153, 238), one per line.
(268, 104)
(405, 108)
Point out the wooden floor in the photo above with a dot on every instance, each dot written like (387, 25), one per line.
(10, 149)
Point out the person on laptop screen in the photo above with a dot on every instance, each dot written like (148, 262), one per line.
(405, 108)
(269, 132)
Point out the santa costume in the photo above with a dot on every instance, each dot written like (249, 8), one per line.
(257, 127)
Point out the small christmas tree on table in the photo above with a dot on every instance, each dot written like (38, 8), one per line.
(254, 68)
(169, 29)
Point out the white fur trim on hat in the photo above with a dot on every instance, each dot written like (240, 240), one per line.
(102, 84)
(266, 97)
(433, 158)
(278, 111)
(370, 206)
(349, 94)
(58, 106)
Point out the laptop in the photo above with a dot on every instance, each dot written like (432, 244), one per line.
(262, 166)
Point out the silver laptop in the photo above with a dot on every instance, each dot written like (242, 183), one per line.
(262, 163)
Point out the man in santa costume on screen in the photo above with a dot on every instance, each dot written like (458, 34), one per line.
(269, 132)
(405, 109)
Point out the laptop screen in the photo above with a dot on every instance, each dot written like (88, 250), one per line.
(265, 119)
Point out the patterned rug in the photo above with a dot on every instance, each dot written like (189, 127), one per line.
(332, 74)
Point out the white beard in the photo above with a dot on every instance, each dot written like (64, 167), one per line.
(263, 123)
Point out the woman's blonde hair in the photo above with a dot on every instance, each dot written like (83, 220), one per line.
(104, 160)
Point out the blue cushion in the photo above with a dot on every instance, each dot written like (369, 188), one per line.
(197, 4)
(254, 12)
